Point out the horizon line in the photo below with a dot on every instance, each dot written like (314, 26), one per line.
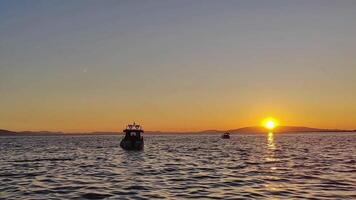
(173, 131)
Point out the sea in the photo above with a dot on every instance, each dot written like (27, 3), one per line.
(263, 166)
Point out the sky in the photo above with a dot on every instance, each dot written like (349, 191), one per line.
(176, 65)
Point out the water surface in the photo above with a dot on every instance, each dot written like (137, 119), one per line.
(315, 166)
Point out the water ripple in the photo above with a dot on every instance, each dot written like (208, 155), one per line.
(180, 167)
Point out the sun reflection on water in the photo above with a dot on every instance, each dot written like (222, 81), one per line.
(270, 157)
(270, 141)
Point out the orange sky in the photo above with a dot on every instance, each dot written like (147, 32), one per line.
(176, 66)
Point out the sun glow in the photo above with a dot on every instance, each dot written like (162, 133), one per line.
(270, 123)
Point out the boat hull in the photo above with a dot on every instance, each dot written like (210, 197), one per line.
(225, 136)
(132, 145)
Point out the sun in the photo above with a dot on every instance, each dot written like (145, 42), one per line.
(270, 123)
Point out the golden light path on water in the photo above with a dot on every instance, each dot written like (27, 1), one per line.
(270, 141)
(270, 148)
(271, 158)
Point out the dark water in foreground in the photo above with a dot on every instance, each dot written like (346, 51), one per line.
(321, 166)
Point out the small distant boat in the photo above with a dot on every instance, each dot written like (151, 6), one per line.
(226, 136)
(133, 140)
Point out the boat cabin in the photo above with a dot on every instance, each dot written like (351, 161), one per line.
(133, 131)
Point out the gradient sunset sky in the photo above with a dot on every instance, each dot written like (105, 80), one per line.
(176, 65)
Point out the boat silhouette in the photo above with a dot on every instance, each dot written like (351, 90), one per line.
(133, 140)
(226, 136)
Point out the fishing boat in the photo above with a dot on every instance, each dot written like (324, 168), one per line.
(133, 139)
(226, 136)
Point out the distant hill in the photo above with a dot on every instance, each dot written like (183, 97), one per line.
(6, 132)
(12, 133)
(280, 129)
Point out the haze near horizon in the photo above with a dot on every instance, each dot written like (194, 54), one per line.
(176, 65)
